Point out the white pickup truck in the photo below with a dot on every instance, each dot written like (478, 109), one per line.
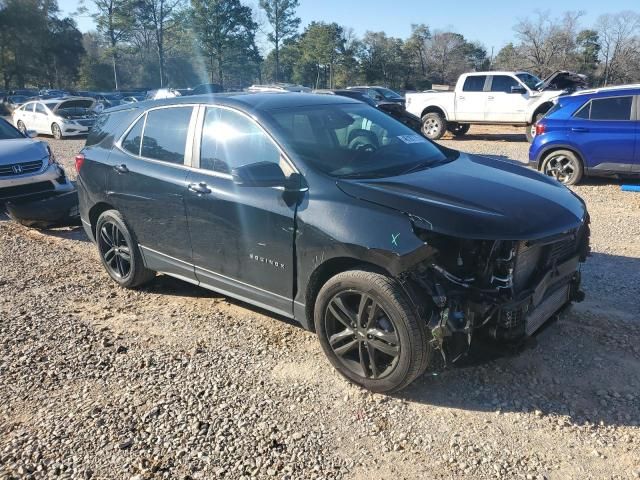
(491, 98)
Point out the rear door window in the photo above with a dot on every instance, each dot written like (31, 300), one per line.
(40, 109)
(503, 83)
(165, 134)
(474, 83)
(614, 108)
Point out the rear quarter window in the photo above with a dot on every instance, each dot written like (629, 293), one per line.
(110, 126)
(474, 83)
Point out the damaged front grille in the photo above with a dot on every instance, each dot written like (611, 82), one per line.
(22, 168)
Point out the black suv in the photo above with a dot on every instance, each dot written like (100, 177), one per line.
(328, 211)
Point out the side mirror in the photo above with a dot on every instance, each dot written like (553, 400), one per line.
(31, 134)
(518, 89)
(260, 174)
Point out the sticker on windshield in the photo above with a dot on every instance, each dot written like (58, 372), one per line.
(412, 138)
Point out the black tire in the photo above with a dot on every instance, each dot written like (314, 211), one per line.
(458, 129)
(386, 354)
(434, 125)
(22, 127)
(56, 132)
(124, 264)
(563, 165)
(530, 131)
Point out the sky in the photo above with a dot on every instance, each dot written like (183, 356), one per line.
(490, 23)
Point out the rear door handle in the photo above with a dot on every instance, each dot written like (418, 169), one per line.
(490, 98)
(200, 188)
(122, 168)
(461, 97)
(579, 129)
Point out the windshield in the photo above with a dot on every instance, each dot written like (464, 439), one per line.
(7, 132)
(355, 141)
(389, 94)
(529, 80)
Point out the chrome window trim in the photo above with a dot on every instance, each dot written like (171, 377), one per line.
(118, 143)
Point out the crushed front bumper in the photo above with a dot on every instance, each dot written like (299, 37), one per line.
(51, 179)
(526, 314)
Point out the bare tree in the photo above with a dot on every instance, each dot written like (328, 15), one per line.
(619, 46)
(115, 23)
(547, 44)
(159, 16)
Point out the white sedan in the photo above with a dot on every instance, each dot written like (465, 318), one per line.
(58, 117)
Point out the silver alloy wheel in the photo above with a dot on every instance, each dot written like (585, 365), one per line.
(561, 167)
(431, 127)
(57, 133)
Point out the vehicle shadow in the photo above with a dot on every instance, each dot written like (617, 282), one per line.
(581, 368)
(501, 137)
(167, 285)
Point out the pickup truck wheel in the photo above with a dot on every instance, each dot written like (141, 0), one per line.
(564, 166)
(530, 132)
(119, 251)
(458, 129)
(434, 125)
(370, 332)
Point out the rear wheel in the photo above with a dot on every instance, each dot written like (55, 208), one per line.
(119, 251)
(370, 332)
(564, 166)
(434, 125)
(458, 129)
(22, 127)
(55, 130)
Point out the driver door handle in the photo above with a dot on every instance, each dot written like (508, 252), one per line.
(199, 188)
(122, 168)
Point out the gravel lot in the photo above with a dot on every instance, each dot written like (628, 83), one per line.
(178, 382)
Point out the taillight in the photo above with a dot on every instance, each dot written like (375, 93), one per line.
(540, 128)
(79, 161)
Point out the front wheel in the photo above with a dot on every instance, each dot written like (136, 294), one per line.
(119, 251)
(434, 125)
(458, 129)
(564, 166)
(22, 127)
(55, 130)
(370, 332)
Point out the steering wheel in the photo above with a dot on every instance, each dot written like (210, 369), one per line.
(363, 141)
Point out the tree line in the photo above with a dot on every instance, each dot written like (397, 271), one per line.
(179, 43)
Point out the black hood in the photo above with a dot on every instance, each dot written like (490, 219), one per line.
(564, 80)
(477, 198)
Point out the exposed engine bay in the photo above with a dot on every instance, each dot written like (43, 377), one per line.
(505, 290)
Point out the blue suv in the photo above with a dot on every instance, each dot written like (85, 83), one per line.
(592, 132)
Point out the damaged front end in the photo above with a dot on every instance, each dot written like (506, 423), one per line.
(502, 289)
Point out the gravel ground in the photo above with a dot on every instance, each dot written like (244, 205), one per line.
(177, 382)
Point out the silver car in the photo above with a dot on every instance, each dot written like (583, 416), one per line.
(27, 166)
(61, 118)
